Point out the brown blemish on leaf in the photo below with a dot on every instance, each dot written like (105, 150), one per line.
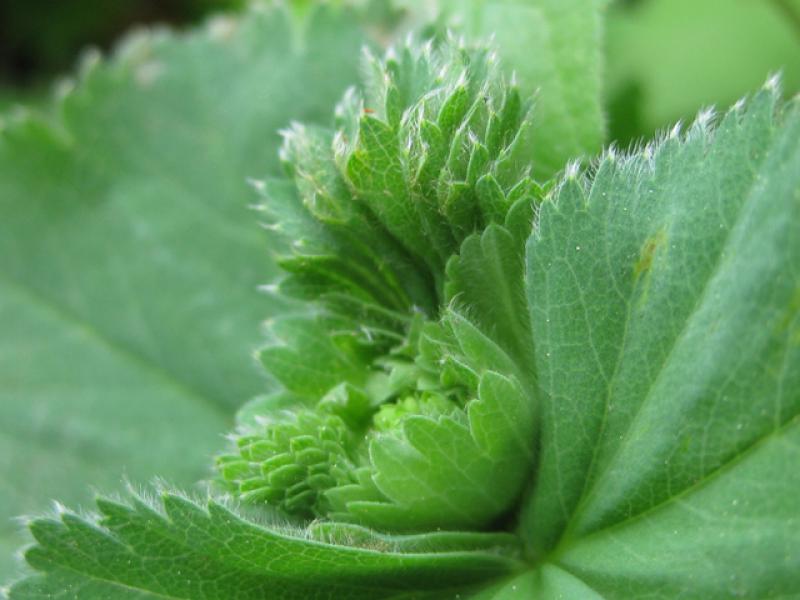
(642, 266)
(648, 252)
(788, 323)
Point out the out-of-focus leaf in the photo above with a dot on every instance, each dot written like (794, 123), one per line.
(129, 257)
(668, 58)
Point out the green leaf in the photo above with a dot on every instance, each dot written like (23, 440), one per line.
(178, 549)
(664, 302)
(447, 473)
(300, 339)
(620, 387)
(555, 49)
(433, 150)
(547, 582)
(368, 199)
(486, 281)
(702, 540)
(129, 258)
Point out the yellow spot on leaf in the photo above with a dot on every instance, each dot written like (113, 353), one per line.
(648, 252)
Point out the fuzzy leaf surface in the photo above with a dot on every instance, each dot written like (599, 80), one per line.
(555, 49)
(664, 304)
(178, 549)
(412, 445)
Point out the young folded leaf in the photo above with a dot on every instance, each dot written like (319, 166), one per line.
(401, 423)
(435, 150)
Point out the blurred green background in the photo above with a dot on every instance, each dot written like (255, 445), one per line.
(665, 58)
(41, 38)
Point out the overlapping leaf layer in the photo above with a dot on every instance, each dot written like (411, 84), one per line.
(404, 408)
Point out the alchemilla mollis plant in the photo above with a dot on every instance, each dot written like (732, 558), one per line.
(484, 381)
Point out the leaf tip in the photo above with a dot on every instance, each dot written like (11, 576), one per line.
(572, 170)
(221, 28)
(259, 185)
(269, 288)
(675, 132)
(773, 83)
(704, 118)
